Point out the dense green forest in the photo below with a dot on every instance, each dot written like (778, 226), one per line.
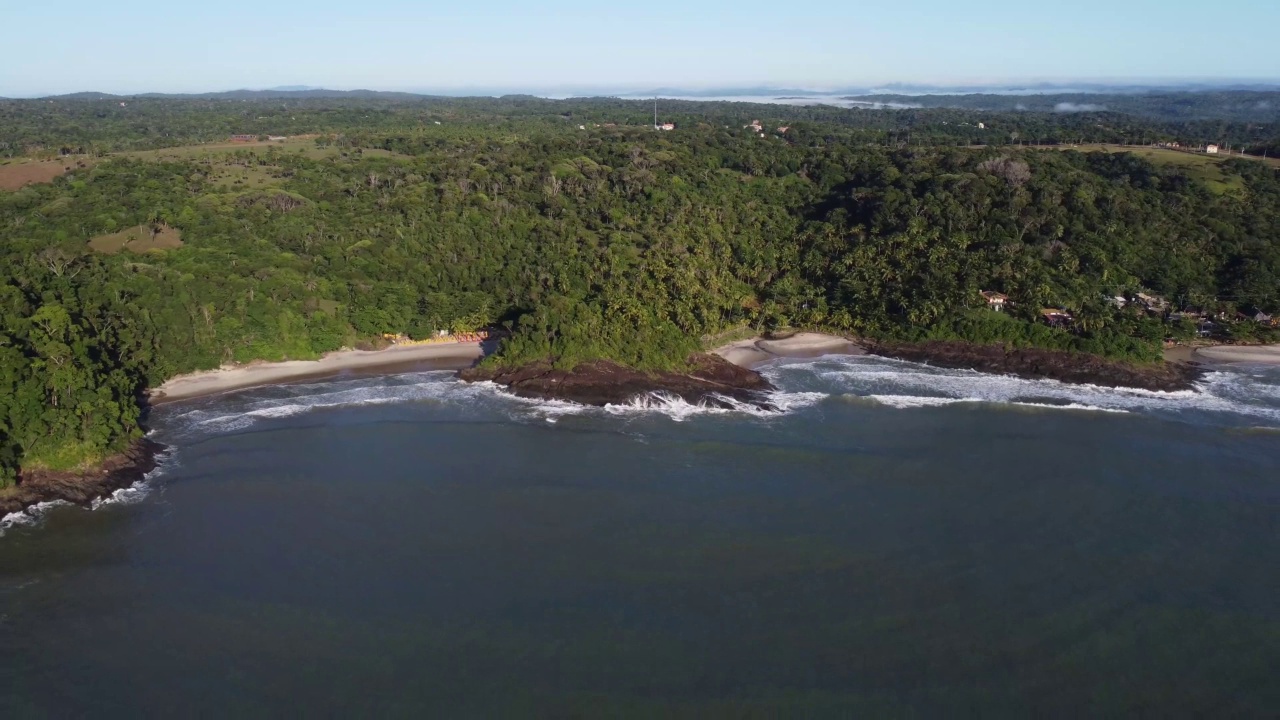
(108, 124)
(587, 233)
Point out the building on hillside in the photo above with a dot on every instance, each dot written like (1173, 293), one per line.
(1117, 300)
(1262, 318)
(784, 129)
(995, 300)
(1153, 303)
(667, 126)
(243, 138)
(1056, 317)
(277, 138)
(1211, 149)
(982, 126)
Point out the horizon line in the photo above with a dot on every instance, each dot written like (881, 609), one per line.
(958, 87)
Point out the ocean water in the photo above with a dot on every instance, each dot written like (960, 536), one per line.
(896, 540)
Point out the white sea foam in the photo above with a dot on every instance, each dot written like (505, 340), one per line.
(238, 411)
(679, 409)
(31, 516)
(902, 384)
(890, 383)
(917, 401)
(124, 496)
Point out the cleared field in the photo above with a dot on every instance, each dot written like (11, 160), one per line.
(300, 145)
(17, 173)
(1197, 166)
(138, 239)
(304, 144)
(239, 166)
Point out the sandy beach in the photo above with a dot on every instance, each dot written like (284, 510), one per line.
(1252, 354)
(751, 353)
(436, 356)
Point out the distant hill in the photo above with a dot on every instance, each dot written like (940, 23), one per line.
(273, 93)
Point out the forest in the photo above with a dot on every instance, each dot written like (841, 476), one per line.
(586, 233)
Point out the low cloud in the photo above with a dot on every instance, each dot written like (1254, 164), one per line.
(1263, 104)
(1066, 107)
(1019, 106)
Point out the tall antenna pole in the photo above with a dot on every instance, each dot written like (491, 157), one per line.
(655, 113)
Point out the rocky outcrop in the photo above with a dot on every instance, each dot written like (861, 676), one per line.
(1060, 365)
(707, 380)
(82, 488)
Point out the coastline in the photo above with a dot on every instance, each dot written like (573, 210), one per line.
(1239, 354)
(753, 352)
(727, 370)
(436, 356)
(82, 487)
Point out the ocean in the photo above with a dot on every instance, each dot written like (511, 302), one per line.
(896, 540)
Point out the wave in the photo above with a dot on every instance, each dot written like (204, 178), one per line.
(1252, 397)
(678, 409)
(29, 516)
(238, 411)
(890, 383)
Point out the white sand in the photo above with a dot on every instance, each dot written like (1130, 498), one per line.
(750, 353)
(1256, 354)
(209, 382)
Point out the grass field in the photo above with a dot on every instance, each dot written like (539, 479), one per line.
(1197, 166)
(16, 173)
(233, 172)
(302, 144)
(138, 239)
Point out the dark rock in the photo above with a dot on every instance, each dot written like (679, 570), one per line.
(708, 380)
(1071, 367)
(82, 488)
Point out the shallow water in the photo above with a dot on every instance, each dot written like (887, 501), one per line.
(899, 540)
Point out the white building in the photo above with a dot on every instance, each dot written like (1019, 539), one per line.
(1211, 149)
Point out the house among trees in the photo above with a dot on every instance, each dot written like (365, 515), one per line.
(667, 126)
(1153, 303)
(243, 138)
(1056, 317)
(1211, 149)
(995, 300)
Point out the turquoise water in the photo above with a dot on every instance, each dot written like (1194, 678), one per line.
(900, 541)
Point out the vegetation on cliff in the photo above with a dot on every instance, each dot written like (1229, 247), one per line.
(605, 242)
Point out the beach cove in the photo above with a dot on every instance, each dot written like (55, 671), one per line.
(414, 544)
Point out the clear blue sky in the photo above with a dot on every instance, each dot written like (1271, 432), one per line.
(57, 46)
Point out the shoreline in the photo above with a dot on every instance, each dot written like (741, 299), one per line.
(1182, 366)
(1238, 354)
(82, 487)
(756, 351)
(435, 356)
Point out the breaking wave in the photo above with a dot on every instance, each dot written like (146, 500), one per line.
(1251, 396)
(30, 516)
(679, 409)
(237, 411)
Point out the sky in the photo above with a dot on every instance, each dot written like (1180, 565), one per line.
(129, 46)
